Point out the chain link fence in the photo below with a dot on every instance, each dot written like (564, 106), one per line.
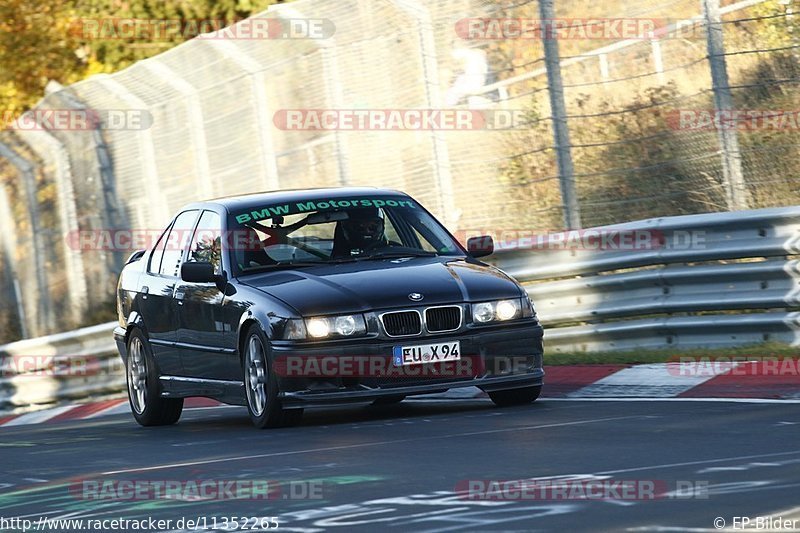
(636, 95)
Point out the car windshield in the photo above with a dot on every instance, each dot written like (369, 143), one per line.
(309, 232)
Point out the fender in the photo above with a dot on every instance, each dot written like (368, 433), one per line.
(262, 313)
(135, 319)
(265, 320)
(122, 331)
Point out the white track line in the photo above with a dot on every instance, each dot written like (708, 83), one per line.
(695, 463)
(627, 399)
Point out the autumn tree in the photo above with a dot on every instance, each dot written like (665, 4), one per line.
(42, 40)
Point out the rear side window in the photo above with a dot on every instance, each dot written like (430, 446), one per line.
(205, 244)
(176, 242)
(158, 253)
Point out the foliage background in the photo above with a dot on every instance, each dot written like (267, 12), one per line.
(41, 40)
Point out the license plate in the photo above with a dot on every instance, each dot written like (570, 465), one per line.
(426, 353)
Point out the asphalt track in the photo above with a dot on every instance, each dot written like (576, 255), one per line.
(405, 467)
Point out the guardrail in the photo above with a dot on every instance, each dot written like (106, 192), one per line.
(712, 280)
(56, 368)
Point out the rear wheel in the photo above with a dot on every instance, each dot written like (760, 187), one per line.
(521, 396)
(261, 385)
(144, 394)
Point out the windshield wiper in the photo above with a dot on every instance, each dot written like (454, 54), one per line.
(279, 266)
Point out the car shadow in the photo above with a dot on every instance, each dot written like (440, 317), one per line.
(407, 411)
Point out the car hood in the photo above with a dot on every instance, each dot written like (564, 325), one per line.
(384, 284)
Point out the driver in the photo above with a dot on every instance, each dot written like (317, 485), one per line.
(363, 230)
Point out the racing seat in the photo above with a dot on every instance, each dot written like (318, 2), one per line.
(253, 253)
(341, 246)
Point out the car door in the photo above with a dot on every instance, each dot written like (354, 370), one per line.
(201, 326)
(156, 288)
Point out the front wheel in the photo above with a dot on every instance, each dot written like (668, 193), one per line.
(261, 385)
(144, 395)
(504, 398)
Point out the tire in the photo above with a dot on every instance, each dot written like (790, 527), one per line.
(144, 390)
(261, 385)
(505, 398)
(389, 400)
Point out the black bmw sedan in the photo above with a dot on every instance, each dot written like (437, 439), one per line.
(289, 300)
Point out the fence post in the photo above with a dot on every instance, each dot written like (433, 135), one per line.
(158, 208)
(50, 149)
(10, 243)
(603, 61)
(196, 125)
(26, 173)
(555, 88)
(332, 80)
(112, 216)
(330, 68)
(792, 27)
(259, 82)
(735, 187)
(433, 100)
(658, 58)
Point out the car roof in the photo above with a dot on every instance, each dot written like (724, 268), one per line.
(247, 201)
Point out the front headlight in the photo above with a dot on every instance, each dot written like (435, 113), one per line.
(496, 311)
(318, 327)
(322, 327)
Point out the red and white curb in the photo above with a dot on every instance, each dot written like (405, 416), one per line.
(87, 411)
(739, 379)
(742, 380)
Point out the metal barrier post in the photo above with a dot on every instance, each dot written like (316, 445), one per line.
(735, 187)
(555, 88)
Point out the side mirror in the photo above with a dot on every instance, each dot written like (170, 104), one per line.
(135, 256)
(480, 246)
(198, 272)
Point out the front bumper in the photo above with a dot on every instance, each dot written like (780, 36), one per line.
(365, 394)
(495, 358)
